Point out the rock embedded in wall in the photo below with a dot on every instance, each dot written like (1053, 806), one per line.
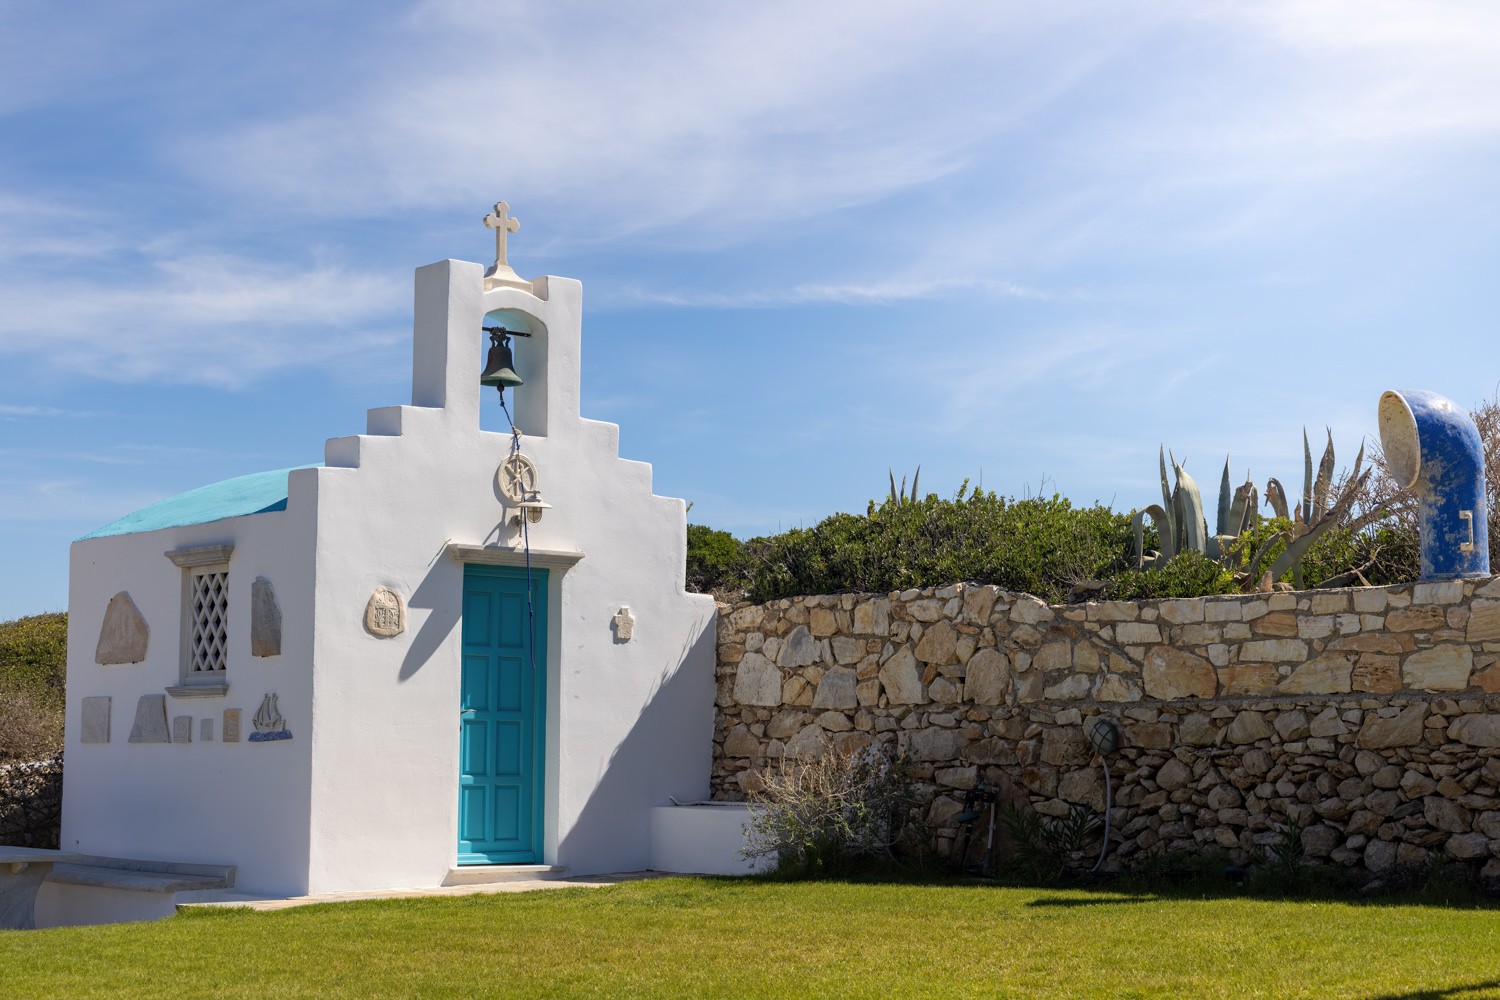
(624, 625)
(95, 728)
(182, 729)
(124, 635)
(150, 720)
(231, 725)
(385, 613)
(265, 619)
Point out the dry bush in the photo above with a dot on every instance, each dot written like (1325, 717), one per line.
(31, 728)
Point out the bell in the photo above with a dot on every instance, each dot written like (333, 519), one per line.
(498, 369)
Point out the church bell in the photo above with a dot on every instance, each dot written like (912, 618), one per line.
(499, 369)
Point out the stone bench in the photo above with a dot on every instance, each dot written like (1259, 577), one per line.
(22, 872)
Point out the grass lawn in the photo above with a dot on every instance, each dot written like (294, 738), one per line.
(711, 937)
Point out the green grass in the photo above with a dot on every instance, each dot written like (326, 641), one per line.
(706, 937)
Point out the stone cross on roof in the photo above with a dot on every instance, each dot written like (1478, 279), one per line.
(500, 273)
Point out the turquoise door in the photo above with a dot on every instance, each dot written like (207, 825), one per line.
(501, 718)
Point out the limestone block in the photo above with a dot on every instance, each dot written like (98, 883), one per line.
(822, 622)
(927, 610)
(1029, 610)
(1278, 623)
(150, 720)
(1484, 622)
(799, 650)
(957, 777)
(1197, 729)
(1467, 847)
(1181, 612)
(1249, 678)
(1441, 668)
(1476, 730)
(385, 613)
(1292, 725)
(1380, 855)
(902, 680)
(95, 727)
(757, 681)
(979, 604)
(1416, 619)
(1174, 774)
(1055, 655)
(847, 650)
(1326, 724)
(1328, 674)
(812, 741)
(938, 644)
(1069, 688)
(1376, 673)
(205, 730)
(986, 678)
(872, 618)
(935, 744)
(836, 690)
(624, 625)
(1370, 601)
(1274, 651)
(1401, 730)
(231, 725)
(1136, 633)
(1171, 673)
(1116, 688)
(1319, 841)
(265, 619)
(944, 691)
(785, 724)
(1445, 814)
(741, 743)
(124, 635)
(1247, 727)
(182, 729)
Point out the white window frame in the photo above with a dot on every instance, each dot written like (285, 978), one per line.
(197, 563)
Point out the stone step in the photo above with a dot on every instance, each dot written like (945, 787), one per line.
(490, 874)
(142, 876)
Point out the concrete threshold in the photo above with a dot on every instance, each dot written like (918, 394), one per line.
(483, 888)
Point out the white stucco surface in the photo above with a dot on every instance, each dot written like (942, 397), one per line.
(365, 794)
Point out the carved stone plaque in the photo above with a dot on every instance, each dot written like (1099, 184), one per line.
(265, 619)
(150, 720)
(624, 625)
(231, 725)
(123, 636)
(385, 614)
(205, 730)
(96, 720)
(182, 729)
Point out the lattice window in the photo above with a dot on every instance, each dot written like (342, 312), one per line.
(209, 608)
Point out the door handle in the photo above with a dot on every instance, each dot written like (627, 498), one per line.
(1468, 516)
(469, 711)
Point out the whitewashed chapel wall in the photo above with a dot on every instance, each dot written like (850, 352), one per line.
(1371, 717)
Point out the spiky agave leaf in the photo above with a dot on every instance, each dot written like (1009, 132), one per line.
(894, 496)
(1241, 511)
(1276, 497)
(1226, 499)
(1323, 483)
(1192, 527)
(1163, 532)
(1307, 479)
(914, 477)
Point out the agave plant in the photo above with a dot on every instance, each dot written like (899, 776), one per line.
(1180, 522)
(1320, 509)
(900, 496)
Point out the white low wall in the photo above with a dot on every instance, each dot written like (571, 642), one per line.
(702, 839)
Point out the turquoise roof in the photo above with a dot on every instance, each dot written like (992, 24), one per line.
(257, 493)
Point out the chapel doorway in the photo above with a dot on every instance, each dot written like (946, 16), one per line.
(502, 716)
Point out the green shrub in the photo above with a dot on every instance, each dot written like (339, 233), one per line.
(715, 560)
(34, 656)
(1188, 574)
(1041, 546)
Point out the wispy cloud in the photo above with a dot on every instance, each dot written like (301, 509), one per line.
(875, 293)
(12, 412)
(214, 320)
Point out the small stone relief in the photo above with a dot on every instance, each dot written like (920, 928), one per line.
(385, 614)
(96, 719)
(231, 725)
(269, 724)
(624, 625)
(182, 729)
(265, 619)
(124, 635)
(205, 730)
(150, 720)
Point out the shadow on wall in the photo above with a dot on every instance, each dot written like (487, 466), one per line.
(444, 616)
(668, 752)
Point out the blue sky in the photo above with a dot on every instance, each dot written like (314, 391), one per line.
(1017, 241)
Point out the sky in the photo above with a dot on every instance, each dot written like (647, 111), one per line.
(1019, 244)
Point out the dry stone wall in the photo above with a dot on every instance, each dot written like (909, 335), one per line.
(1369, 717)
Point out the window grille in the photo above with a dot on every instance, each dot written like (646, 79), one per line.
(210, 615)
